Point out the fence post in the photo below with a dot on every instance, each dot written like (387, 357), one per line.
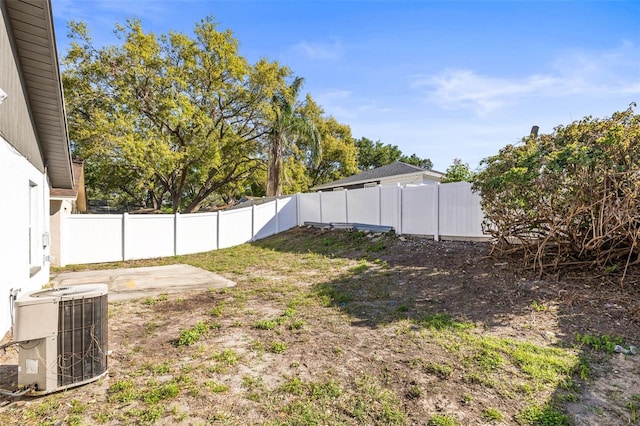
(320, 205)
(125, 221)
(218, 230)
(176, 233)
(400, 213)
(379, 204)
(346, 205)
(277, 217)
(253, 222)
(436, 232)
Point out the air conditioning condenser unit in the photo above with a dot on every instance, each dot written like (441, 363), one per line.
(62, 337)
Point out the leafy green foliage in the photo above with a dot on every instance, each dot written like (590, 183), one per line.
(277, 347)
(228, 357)
(458, 172)
(442, 420)
(601, 343)
(338, 148)
(287, 124)
(569, 197)
(414, 160)
(443, 322)
(192, 335)
(167, 120)
(542, 416)
(376, 154)
(492, 415)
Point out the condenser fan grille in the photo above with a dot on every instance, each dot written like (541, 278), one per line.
(82, 339)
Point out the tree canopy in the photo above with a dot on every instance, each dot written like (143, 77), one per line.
(458, 172)
(339, 151)
(372, 155)
(287, 126)
(413, 159)
(180, 122)
(570, 198)
(168, 116)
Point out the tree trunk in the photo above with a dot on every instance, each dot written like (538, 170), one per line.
(274, 170)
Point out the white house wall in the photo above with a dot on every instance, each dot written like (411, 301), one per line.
(22, 187)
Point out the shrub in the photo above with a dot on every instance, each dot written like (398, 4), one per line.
(569, 197)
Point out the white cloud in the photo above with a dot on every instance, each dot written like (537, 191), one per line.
(583, 73)
(454, 89)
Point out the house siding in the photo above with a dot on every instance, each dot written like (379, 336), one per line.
(16, 122)
(408, 180)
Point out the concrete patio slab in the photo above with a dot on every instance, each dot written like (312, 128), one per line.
(134, 283)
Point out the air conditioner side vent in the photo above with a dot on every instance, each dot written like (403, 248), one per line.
(82, 339)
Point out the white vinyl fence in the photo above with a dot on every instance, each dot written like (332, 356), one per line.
(444, 211)
(95, 238)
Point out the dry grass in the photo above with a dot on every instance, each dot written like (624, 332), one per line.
(337, 328)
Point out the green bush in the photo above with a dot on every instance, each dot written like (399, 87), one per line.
(569, 197)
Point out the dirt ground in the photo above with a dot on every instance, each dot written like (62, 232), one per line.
(362, 342)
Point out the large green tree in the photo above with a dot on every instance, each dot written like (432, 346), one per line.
(168, 119)
(287, 126)
(414, 160)
(375, 154)
(372, 155)
(339, 152)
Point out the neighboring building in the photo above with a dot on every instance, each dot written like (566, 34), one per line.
(63, 202)
(390, 174)
(35, 154)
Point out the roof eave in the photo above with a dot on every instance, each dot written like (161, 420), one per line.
(363, 181)
(54, 141)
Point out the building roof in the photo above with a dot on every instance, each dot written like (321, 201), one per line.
(69, 193)
(31, 25)
(393, 169)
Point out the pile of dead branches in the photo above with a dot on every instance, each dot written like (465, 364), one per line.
(570, 198)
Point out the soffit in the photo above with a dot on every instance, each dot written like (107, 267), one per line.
(31, 24)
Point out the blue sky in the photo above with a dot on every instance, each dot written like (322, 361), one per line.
(441, 79)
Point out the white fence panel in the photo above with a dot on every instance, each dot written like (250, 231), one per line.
(390, 206)
(460, 211)
(419, 210)
(309, 208)
(196, 233)
(363, 206)
(447, 210)
(334, 206)
(234, 227)
(287, 213)
(265, 220)
(148, 236)
(91, 239)
(274, 217)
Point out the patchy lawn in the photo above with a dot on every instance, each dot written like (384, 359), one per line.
(339, 327)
